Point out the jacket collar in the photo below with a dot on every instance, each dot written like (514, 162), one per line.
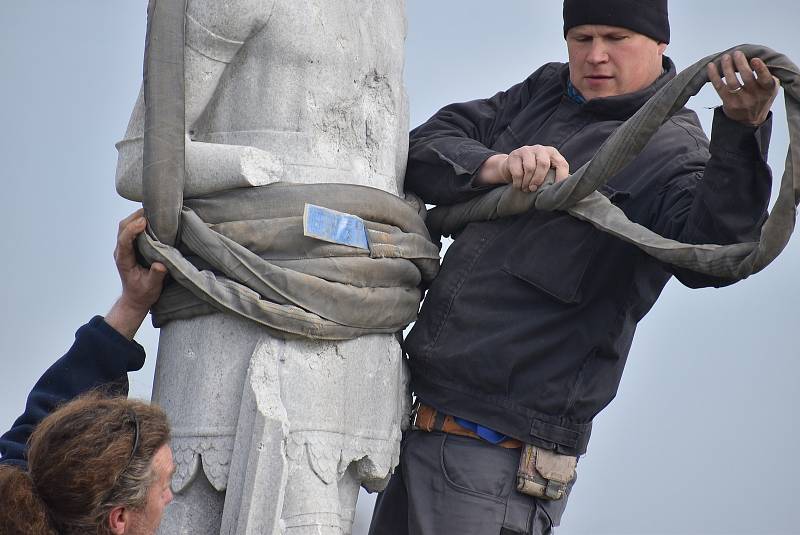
(622, 107)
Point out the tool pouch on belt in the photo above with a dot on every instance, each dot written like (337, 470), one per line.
(543, 473)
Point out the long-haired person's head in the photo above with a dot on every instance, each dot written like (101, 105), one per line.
(97, 465)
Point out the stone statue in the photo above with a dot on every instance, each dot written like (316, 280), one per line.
(274, 435)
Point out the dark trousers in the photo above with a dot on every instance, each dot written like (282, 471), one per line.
(452, 485)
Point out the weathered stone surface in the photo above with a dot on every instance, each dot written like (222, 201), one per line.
(284, 431)
(317, 87)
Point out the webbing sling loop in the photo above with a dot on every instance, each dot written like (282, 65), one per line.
(163, 164)
(239, 251)
(577, 194)
(243, 251)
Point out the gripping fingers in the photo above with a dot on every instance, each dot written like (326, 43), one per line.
(764, 78)
(128, 220)
(731, 81)
(542, 167)
(515, 169)
(552, 159)
(129, 228)
(529, 165)
(560, 164)
(714, 77)
(742, 65)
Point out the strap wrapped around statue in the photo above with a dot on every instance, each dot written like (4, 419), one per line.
(578, 195)
(271, 273)
(227, 258)
(245, 249)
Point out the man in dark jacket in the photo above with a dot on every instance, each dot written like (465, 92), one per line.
(524, 334)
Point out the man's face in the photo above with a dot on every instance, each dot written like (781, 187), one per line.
(605, 61)
(146, 521)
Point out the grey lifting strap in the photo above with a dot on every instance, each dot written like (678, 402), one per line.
(163, 161)
(244, 251)
(577, 194)
(290, 283)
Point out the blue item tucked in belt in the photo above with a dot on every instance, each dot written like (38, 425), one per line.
(489, 435)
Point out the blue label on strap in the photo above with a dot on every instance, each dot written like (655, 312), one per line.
(334, 227)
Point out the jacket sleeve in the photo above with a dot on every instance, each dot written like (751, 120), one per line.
(447, 150)
(722, 201)
(99, 357)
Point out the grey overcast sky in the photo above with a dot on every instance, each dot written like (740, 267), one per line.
(702, 437)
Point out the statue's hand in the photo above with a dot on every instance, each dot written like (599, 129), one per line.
(213, 167)
(258, 167)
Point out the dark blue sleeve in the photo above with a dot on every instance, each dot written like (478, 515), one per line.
(100, 357)
(723, 200)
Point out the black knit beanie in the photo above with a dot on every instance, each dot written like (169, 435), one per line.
(648, 17)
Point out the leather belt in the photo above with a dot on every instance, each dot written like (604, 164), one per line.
(426, 418)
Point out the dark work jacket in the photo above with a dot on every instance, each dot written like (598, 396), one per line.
(528, 325)
(100, 358)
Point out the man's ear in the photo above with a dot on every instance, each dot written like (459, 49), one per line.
(118, 520)
(662, 47)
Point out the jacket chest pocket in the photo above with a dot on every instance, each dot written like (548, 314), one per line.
(554, 250)
(553, 253)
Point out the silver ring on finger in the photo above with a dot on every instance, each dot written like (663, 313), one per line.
(735, 90)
